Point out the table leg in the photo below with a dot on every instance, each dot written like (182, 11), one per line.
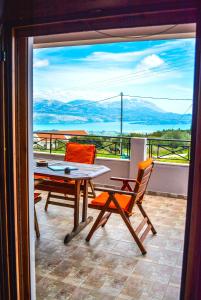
(85, 201)
(85, 221)
(77, 204)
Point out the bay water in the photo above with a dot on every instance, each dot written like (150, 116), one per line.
(109, 128)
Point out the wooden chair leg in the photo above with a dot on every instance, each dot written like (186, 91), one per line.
(106, 219)
(92, 188)
(136, 238)
(145, 216)
(47, 201)
(36, 224)
(98, 220)
(129, 226)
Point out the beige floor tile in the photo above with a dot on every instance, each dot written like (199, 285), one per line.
(111, 265)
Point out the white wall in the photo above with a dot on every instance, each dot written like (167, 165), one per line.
(118, 167)
(166, 178)
(169, 178)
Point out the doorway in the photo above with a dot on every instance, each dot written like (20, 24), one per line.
(25, 117)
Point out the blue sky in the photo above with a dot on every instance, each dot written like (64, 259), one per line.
(94, 72)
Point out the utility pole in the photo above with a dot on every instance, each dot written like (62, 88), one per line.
(121, 123)
(121, 118)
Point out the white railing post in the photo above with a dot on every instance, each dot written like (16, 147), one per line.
(138, 152)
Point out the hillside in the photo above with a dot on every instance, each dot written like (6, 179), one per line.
(80, 111)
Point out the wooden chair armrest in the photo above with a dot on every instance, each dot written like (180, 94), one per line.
(123, 179)
(113, 191)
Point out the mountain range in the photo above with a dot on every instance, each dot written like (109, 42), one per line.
(78, 111)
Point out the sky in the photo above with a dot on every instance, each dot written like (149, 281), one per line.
(161, 69)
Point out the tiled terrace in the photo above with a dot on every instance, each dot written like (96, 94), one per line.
(110, 266)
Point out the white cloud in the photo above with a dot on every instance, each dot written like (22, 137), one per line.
(40, 63)
(134, 55)
(152, 61)
(112, 57)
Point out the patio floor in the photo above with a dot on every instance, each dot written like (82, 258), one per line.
(110, 266)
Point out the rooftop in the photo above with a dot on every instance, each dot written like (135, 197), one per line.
(59, 134)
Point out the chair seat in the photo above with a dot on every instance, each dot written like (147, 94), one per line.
(101, 199)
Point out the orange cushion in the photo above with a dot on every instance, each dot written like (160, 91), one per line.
(123, 200)
(37, 198)
(61, 180)
(40, 177)
(36, 195)
(145, 164)
(80, 153)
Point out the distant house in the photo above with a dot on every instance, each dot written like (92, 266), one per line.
(44, 139)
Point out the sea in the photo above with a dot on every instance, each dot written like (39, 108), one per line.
(108, 128)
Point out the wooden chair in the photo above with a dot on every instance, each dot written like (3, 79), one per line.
(37, 198)
(80, 153)
(122, 202)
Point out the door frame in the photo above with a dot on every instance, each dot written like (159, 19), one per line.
(191, 271)
(19, 42)
(23, 182)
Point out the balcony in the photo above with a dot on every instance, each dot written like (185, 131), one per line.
(111, 265)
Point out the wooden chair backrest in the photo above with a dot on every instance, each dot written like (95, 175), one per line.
(144, 172)
(80, 153)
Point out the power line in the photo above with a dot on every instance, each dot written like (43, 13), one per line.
(130, 73)
(145, 75)
(188, 109)
(185, 112)
(164, 66)
(159, 98)
(133, 96)
(142, 73)
(105, 99)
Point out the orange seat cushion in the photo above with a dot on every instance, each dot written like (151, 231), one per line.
(36, 195)
(41, 177)
(123, 200)
(52, 178)
(80, 153)
(145, 164)
(62, 181)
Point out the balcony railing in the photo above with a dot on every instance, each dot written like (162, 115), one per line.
(107, 146)
(169, 149)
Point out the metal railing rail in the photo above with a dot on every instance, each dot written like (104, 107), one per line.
(169, 149)
(107, 146)
(114, 146)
